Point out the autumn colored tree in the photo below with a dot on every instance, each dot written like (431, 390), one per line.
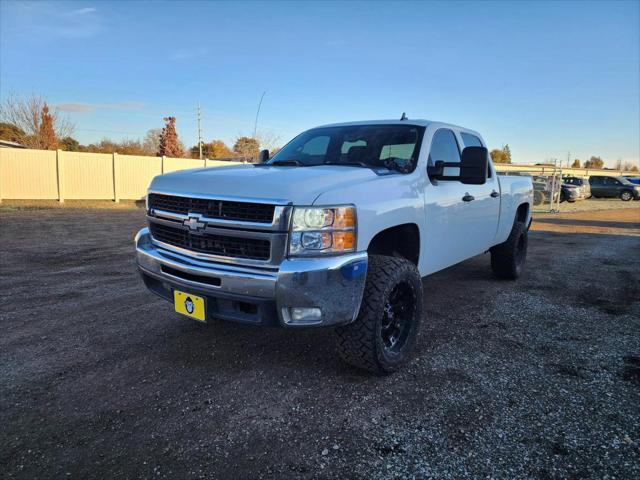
(27, 114)
(594, 162)
(626, 166)
(575, 164)
(169, 143)
(499, 156)
(47, 134)
(219, 149)
(247, 147)
(214, 149)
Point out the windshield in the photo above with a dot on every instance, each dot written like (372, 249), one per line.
(395, 147)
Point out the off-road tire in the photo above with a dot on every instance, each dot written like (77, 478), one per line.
(361, 343)
(626, 195)
(507, 259)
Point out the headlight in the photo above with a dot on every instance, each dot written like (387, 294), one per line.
(317, 230)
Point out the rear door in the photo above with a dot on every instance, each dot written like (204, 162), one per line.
(597, 186)
(485, 207)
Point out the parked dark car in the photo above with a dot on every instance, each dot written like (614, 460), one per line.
(583, 183)
(612, 187)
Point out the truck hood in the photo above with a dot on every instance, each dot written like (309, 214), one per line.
(282, 185)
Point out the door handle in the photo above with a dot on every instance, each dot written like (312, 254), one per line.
(495, 194)
(468, 198)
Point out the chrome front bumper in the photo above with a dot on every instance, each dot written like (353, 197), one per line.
(333, 284)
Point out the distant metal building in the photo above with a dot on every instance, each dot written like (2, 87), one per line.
(8, 144)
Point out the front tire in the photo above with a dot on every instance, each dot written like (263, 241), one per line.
(626, 195)
(383, 335)
(507, 259)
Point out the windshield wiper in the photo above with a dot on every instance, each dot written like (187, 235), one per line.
(346, 164)
(280, 163)
(286, 163)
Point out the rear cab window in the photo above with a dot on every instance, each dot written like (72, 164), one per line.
(470, 140)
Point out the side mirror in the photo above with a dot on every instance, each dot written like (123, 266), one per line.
(264, 156)
(473, 167)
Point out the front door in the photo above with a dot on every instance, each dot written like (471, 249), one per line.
(461, 220)
(611, 187)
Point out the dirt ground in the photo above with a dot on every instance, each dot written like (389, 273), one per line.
(538, 378)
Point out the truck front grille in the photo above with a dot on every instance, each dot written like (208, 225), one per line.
(226, 246)
(222, 209)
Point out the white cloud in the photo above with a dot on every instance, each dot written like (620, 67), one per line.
(49, 20)
(89, 107)
(80, 11)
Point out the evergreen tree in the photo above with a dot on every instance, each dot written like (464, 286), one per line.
(507, 153)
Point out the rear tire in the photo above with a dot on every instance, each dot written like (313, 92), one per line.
(383, 335)
(507, 259)
(626, 195)
(538, 198)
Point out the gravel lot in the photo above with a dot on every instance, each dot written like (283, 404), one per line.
(534, 379)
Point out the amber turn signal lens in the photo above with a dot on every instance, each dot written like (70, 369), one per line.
(343, 241)
(345, 217)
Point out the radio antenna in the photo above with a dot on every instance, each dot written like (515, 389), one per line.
(404, 116)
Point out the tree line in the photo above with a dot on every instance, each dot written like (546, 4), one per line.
(31, 123)
(503, 155)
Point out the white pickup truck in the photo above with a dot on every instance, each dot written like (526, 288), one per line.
(337, 229)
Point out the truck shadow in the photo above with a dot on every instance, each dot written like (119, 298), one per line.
(459, 302)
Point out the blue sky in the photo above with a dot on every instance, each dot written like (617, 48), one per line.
(545, 77)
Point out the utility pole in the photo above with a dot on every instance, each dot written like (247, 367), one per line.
(568, 159)
(199, 131)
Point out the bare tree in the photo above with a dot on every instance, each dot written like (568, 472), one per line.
(151, 142)
(268, 140)
(27, 115)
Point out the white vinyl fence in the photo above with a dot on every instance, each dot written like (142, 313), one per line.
(58, 175)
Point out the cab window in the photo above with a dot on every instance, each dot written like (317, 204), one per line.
(473, 141)
(470, 140)
(611, 181)
(444, 147)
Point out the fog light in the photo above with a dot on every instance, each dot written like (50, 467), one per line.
(302, 314)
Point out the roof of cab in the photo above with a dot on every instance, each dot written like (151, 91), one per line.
(409, 121)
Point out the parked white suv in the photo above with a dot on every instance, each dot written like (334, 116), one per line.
(337, 229)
